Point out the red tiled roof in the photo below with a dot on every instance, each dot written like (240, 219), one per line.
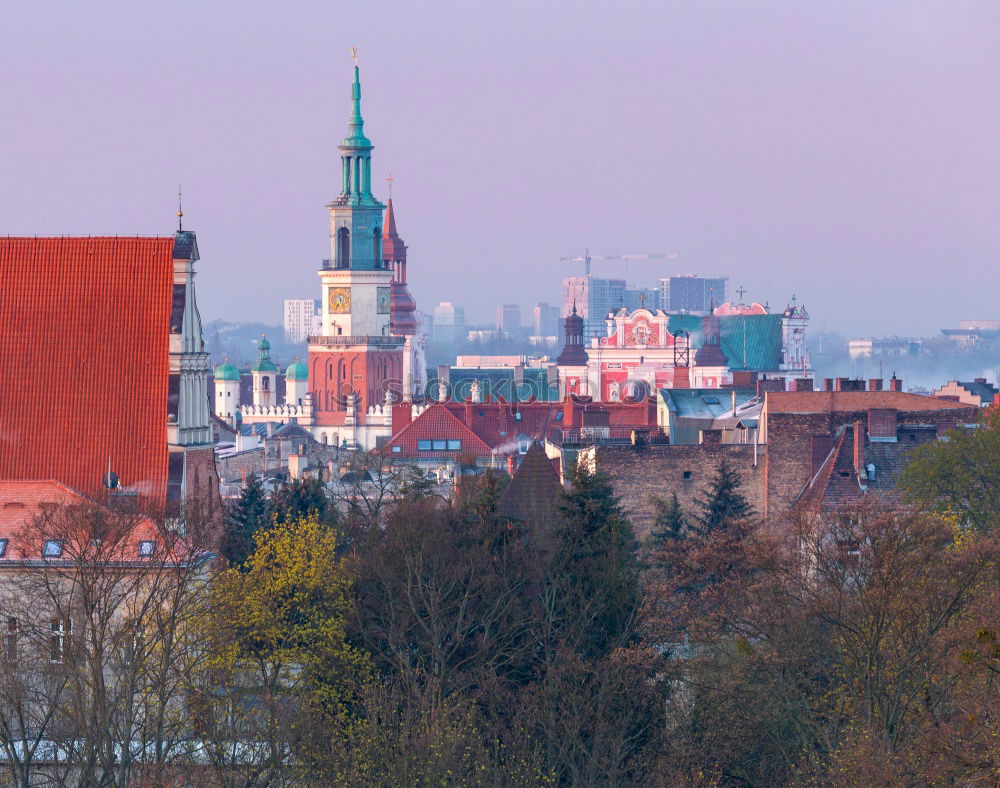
(851, 401)
(24, 503)
(84, 350)
(436, 422)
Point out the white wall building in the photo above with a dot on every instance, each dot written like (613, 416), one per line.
(302, 319)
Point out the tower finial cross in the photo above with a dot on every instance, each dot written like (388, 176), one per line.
(180, 211)
(354, 55)
(741, 291)
(389, 179)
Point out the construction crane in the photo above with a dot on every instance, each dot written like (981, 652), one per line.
(587, 259)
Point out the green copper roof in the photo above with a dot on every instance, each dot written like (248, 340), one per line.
(761, 332)
(264, 363)
(226, 371)
(355, 126)
(297, 370)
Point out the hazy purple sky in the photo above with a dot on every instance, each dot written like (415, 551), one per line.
(844, 151)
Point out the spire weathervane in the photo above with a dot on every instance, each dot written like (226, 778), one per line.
(180, 211)
(354, 55)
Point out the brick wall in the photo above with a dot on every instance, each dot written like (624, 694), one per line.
(790, 444)
(638, 475)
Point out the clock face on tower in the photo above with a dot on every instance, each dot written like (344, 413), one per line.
(383, 300)
(339, 300)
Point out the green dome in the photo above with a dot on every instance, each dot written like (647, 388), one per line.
(227, 372)
(297, 370)
(264, 365)
(263, 344)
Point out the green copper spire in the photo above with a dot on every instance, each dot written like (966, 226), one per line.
(355, 126)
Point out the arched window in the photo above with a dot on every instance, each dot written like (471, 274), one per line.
(324, 439)
(377, 249)
(343, 248)
(265, 383)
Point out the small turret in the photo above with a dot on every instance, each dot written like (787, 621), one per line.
(573, 353)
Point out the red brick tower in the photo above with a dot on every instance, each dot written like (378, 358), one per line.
(356, 359)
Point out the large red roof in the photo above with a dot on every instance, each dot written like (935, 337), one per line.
(84, 332)
(852, 401)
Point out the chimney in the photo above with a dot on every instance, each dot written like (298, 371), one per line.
(682, 378)
(270, 429)
(402, 414)
(859, 449)
(828, 384)
(296, 465)
(468, 410)
(803, 384)
(979, 380)
(744, 378)
(895, 384)
(874, 384)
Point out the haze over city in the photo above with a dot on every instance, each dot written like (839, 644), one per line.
(841, 152)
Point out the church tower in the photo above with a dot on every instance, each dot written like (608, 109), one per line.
(356, 358)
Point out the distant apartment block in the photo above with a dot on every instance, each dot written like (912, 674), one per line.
(690, 293)
(972, 332)
(545, 320)
(509, 320)
(449, 322)
(882, 348)
(302, 319)
(594, 297)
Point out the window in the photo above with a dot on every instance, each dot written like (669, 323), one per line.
(60, 629)
(711, 400)
(454, 445)
(440, 445)
(52, 548)
(3, 547)
(844, 474)
(11, 642)
(147, 547)
(397, 449)
(687, 474)
(517, 416)
(423, 445)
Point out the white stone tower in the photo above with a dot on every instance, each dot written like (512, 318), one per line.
(227, 391)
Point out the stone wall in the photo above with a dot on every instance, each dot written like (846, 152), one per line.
(639, 475)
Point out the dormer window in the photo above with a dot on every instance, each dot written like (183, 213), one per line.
(147, 548)
(52, 548)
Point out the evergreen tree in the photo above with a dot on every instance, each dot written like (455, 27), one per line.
(302, 499)
(670, 523)
(592, 573)
(722, 501)
(248, 516)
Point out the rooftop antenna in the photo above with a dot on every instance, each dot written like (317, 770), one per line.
(354, 55)
(180, 211)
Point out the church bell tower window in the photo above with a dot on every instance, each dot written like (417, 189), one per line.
(343, 248)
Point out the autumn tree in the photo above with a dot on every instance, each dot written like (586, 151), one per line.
(959, 476)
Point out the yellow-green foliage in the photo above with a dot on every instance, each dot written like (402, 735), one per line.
(282, 618)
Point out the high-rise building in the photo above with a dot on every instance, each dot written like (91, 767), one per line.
(546, 320)
(690, 293)
(449, 322)
(508, 320)
(300, 319)
(640, 298)
(594, 297)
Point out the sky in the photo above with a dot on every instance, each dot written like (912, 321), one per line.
(843, 152)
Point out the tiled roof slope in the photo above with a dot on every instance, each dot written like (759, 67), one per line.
(84, 350)
(853, 401)
(25, 503)
(533, 494)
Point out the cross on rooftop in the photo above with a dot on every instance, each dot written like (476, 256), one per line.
(390, 180)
